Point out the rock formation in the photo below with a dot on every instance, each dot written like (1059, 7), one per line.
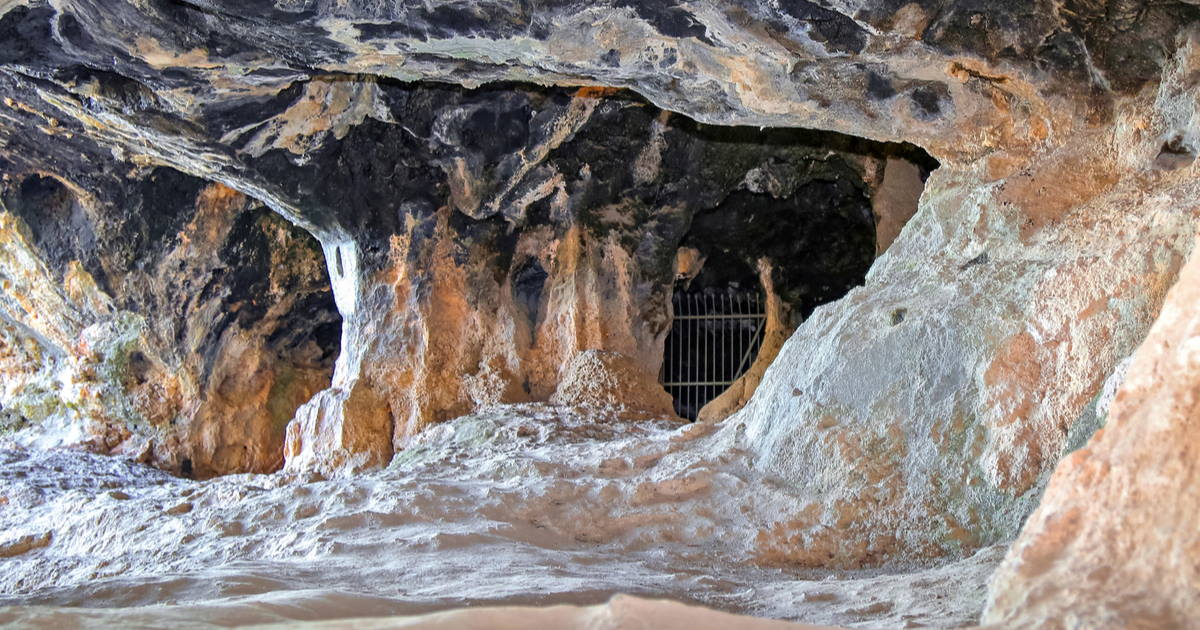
(159, 315)
(501, 190)
(477, 240)
(1113, 542)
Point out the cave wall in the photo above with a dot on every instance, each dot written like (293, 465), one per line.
(924, 412)
(1113, 542)
(158, 315)
(489, 237)
(150, 312)
(477, 241)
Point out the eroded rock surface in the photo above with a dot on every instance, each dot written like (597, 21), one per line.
(159, 315)
(1113, 543)
(917, 418)
(526, 504)
(477, 241)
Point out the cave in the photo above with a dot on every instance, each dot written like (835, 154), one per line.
(716, 334)
(175, 316)
(610, 314)
(807, 245)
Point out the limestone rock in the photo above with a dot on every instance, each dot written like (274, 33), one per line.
(341, 431)
(896, 200)
(545, 241)
(924, 411)
(157, 312)
(24, 544)
(1113, 542)
(477, 236)
(607, 380)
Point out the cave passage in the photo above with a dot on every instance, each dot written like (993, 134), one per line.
(794, 249)
(527, 229)
(715, 337)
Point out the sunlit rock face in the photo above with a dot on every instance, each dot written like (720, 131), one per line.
(477, 239)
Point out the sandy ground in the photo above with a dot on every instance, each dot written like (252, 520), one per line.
(526, 505)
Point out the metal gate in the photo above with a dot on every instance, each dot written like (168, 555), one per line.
(713, 340)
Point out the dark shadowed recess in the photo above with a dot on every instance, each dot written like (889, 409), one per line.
(811, 222)
(807, 211)
(819, 237)
(126, 247)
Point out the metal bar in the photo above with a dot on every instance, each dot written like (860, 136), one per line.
(741, 331)
(698, 356)
(709, 348)
(688, 352)
(685, 305)
(685, 341)
(713, 340)
(699, 383)
(722, 344)
(727, 327)
(674, 355)
(743, 334)
(691, 376)
(684, 367)
(706, 341)
(668, 354)
(716, 317)
(679, 349)
(705, 362)
(751, 349)
(731, 342)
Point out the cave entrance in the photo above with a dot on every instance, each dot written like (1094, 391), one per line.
(715, 337)
(749, 269)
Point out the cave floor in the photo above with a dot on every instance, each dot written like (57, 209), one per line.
(519, 505)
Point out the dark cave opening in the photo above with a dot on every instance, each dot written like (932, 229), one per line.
(625, 173)
(214, 290)
(801, 236)
(716, 334)
(780, 220)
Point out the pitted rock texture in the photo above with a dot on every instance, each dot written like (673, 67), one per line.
(160, 315)
(917, 417)
(518, 505)
(519, 227)
(1113, 543)
(942, 74)
(475, 240)
(612, 382)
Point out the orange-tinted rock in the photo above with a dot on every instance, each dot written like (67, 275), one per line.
(1113, 543)
(551, 246)
(341, 431)
(476, 243)
(981, 336)
(184, 350)
(610, 381)
(896, 199)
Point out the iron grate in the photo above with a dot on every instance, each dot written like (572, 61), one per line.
(714, 339)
